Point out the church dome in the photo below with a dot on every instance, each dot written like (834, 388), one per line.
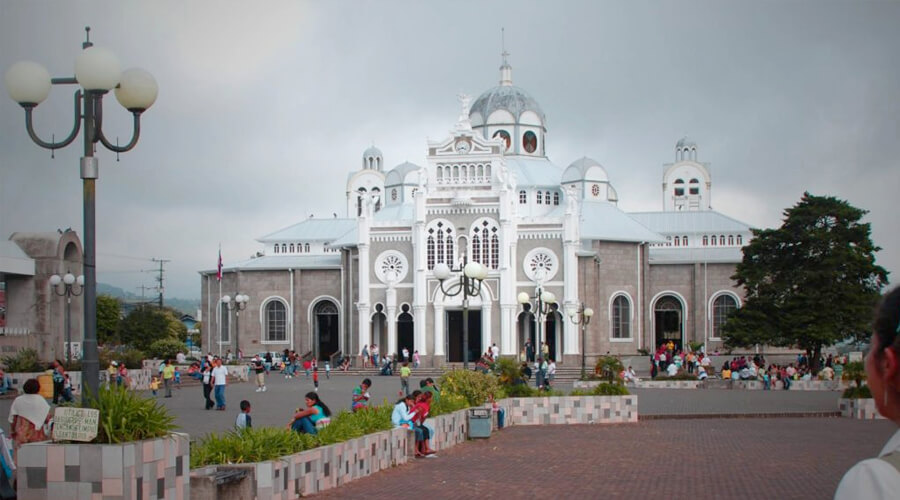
(685, 150)
(586, 169)
(685, 142)
(400, 175)
(373, 159)
(507, 98)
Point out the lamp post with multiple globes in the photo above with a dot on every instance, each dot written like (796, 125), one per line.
(471, 276)
(543, 301)
(582, 317)
(237, 304)
(97, 71)
(67, 286)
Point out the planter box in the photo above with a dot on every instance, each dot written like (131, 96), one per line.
(863, 409)
(150, 469)
(644, 384)
(556, 410)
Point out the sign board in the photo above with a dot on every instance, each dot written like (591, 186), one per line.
(75, 424)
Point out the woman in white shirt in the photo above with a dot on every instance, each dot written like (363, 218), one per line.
(880, 477)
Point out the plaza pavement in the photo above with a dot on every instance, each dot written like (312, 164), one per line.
(696, 459)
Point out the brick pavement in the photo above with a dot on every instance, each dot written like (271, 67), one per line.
(672, 459)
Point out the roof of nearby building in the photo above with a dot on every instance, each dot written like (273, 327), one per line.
(282, 262)
(682, 255)
(401, 212)
(605, 222)
(398, 175)
(13, 260)
(690, 222)
(506, 97)
(536, 171)
(312, 229)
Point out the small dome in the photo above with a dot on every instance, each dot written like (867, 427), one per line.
(685, 142)
(373, 159)
(372, 151)
(506, 97)
(586, 169)
(399, 174)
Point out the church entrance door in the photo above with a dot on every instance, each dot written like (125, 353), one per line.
(455, 336)
(326, 330)
(405, 330)
(668, 324)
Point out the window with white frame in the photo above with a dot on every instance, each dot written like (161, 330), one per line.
(275, 327)
(621, 317)
(440, 243)
(723, 305)
(485, 243)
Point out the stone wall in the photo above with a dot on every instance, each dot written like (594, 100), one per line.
(863, 409)
(154, 468)
(566, 410)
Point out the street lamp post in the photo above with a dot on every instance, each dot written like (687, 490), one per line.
(582, 317)
(67, 290)
(543, 300)
(471, 276)
(97, 71)
(237, 304)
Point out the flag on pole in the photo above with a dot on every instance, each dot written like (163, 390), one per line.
(219, 269)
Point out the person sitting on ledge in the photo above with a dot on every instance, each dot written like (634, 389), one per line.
(306, 421)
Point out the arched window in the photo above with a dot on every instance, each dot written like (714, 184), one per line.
(284, 248)
(476, 247)
(485, 243)
(276, 248)
(684, 240)
(556, 198)
(722, 240)
(730, 239)
(695, 186)
(439, 243)
(306, 248)
(679, 187)
(621, 318)
(276, 322)
(705, 240)
(740, 240)
(546, 197)
(677, 241)
(713, 240)
(523, 197)
(495, 250)
(722, 307)
(539, 197)
(292, 248)
(429, 251)
(505, 136)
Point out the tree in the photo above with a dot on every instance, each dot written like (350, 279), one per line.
(147, 324)
(109, 317)
(809, 283)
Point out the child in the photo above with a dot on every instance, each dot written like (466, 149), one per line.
(327, 370)
(154, 385)
(177, 376)
(307, 366)
(316, 377)
(243, 420)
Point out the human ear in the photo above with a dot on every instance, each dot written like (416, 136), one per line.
(890, 364)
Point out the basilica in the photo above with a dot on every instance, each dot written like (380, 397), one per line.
(489, 242)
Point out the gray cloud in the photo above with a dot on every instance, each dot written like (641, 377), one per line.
(263, 110)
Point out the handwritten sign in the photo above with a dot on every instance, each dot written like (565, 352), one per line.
(75, 424)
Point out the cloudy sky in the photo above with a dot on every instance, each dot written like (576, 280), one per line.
(264, 108)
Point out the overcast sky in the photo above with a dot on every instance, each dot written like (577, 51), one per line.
(265, 107)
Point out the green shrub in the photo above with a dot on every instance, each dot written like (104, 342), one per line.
(448, 403)
(249, 445)
(166, 348)
(606, 389)
(859, 392)
(133, 358)
(472, 385)
(127, 416)
(26, 360)
(643, 351)
(608, 368)
(855, 371)
(507, 371)
(580, 392)
(521, 391)
(695, 346)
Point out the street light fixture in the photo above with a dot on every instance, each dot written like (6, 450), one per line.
(97, 71)
(65, 286)
(237, 304)
(582, 317)
(471, 276)
(543, 302)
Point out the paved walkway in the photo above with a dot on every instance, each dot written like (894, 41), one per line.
(723, 401)
(672, 459)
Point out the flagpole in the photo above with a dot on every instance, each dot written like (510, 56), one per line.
(219, 303)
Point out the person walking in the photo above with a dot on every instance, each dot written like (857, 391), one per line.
(878, 478)
(260, 369)
(529, 352)
(168, 377)
(208, 383)
(220, 378)
(404, 378)
(364, 355)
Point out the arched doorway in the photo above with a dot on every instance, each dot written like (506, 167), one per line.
(379, 330)
(455, 336)
(525, 328)
(553, 332)
(405, 329)
(326, 330)
(668, 321)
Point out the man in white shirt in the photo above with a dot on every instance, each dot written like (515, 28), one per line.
(220, 376)
(672, 369)
(495, 352)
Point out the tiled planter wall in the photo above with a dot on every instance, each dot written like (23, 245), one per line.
(863, 409)
(645, 384)
(574, 410)
(155, 468)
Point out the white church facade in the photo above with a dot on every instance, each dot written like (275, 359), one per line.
(488, 193)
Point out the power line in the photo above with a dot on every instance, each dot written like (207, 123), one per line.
(160, 279)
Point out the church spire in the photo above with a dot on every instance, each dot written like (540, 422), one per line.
(505, 69)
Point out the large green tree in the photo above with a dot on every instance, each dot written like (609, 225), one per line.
(109, 316)
(811, 282)
(147, 324)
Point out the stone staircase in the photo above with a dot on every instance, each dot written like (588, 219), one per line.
(564, 374)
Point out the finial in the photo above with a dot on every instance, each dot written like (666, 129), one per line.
(463, 122)
(503, 52)
(505, 68)
(87, 38)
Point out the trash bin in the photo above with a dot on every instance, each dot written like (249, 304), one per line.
(479, 423)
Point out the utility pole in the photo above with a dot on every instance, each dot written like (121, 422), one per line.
(143, 288)
(160, 278)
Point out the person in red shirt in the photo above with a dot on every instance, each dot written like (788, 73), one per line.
(420, 413)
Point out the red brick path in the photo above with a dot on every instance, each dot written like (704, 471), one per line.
(661, 459)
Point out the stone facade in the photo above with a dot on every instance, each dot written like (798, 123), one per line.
(863, 409)
(155, 468)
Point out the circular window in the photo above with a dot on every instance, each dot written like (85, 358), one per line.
(505, 136)
(595, 190)
(529, 141)
(391, 266)
(541, 265)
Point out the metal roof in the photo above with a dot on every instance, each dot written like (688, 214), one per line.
(506, 97)
(312, 230)
(683, 255)
(282, 262)
(534, 172)
(690, 222)
(605, 222)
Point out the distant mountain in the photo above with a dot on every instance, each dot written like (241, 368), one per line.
(186, 306)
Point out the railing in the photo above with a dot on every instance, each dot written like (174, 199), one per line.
(5, 330)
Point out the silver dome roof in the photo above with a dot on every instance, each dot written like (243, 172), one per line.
(685, 142)
(506, 97)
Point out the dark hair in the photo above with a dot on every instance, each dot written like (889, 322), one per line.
(429, 380)
(887, 321)
(422, 383)
(367, 382)
(245, 405)
(31, 386)
(315, 397)
(416, 394)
